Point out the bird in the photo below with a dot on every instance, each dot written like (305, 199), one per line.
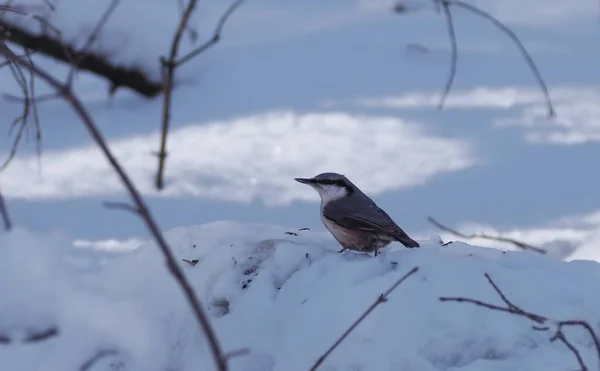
(353, 219)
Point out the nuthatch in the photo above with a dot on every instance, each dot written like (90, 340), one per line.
(355, 221)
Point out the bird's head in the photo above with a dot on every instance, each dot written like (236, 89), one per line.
(330, 186)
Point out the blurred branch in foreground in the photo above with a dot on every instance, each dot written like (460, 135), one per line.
(445, 6)
(5, 214)
(168, 73)
(519, 244)
(52, 45)
(66, 92)
(543, 323)
(382, 298)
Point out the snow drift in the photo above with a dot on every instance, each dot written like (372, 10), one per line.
(286, 296)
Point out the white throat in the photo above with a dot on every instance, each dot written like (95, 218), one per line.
(330, 193)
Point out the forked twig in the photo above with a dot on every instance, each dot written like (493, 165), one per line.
(168, 67)
(544, 323)
(519, 244)
(382, 298)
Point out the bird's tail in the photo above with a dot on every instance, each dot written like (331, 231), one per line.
(403, 238)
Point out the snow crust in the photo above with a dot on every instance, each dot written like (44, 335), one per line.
(286, 297)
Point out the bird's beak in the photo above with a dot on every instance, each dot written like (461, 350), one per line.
(308, 181)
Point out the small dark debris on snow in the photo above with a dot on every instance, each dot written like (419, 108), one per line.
(304, 301)
(249, 271)
(304, 229)
(447, 243)
(191, 262)
(193, 245)
(307, 256)
(292, 233)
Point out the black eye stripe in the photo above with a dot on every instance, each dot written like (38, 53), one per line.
(337, 182)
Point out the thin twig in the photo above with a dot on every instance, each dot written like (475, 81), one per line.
(21, 120)
(41, 98)
(454, 52)
(515, 39)
(168, 67)
(382, 298)
(36, 337)
(87, 365)
(519, 244)
(91, 39)
(34, 110)
(558, 334)
(216, 35)
(168, 72)
(121, 206)
(5, 214)
(71, 98)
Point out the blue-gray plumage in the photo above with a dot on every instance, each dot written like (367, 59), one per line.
(355, 221)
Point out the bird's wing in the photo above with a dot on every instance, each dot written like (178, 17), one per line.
(370, 218)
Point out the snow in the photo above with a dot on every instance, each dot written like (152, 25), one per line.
(286, 295)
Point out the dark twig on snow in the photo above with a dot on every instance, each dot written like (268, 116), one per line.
(519, 244)
(168, 73)
(87, 365)
(73, 100)
(445, 6)
(543, 323)
(382, 298)
(33, 337)
(5, 214)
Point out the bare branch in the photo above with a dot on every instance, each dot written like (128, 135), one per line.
(41, 98)
(445, 6)
(216, 35)
(93, 36)
(237, 353)
(454, 53)
(54, 47)
(87, 365)
(382, 298)
(519, 244)
(121, 206)
(5, 214)
(71, 98)
(515, 39)
(43, 335)
(168, 72)
(558, 333)
(34, 336)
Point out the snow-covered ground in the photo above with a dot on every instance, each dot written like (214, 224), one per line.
(286, 297)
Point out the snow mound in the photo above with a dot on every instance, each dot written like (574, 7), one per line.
(286, 296)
